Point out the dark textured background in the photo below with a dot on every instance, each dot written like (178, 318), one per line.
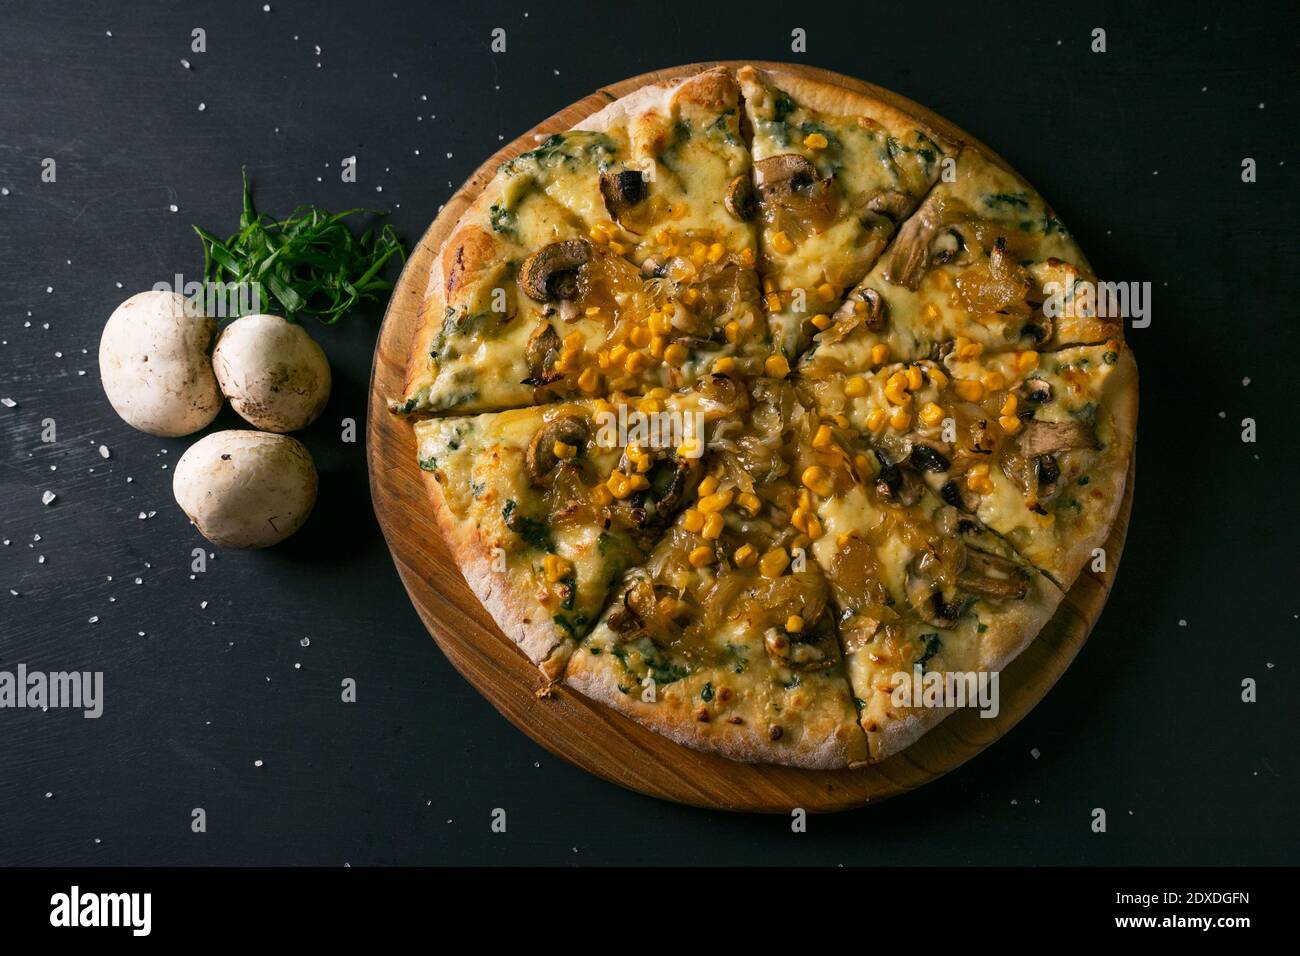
(1139, 148)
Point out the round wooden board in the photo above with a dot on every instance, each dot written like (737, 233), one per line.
(593, 736)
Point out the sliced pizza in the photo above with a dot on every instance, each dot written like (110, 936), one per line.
(545, 507)
(1035, 446)
(983, 260)
(834, 173)
(725, 640)
(618, 258)
(919, 588)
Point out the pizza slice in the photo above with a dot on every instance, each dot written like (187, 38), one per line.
(983, 260)
(1034, 446)
(724, 640)
(616, 258)
(835, 172)
(545, 507)
(921, 592)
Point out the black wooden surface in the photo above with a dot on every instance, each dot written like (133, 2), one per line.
(1140, 148)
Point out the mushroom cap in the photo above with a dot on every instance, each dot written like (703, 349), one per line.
(785, 172)
(540, 459)
(740, 200)
(246, 489)
(154, 365)
(542, 274)
(276, 375)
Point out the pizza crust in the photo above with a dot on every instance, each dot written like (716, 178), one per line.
(840, 101)
(824, 746)
(514, 613)
(1119, 403)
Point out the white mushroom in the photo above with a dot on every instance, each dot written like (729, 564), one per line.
(246, 489)
(273, 372)
(153, 362)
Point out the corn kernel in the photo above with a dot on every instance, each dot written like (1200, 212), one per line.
(1026, 361)
(879, 353)
(818, 480)
(724, 366)
(822, 437)
(781, 243)
(1010, 424)
(750, 502)
(995, 381)
(601, 495)
(575, 340)
(745, 556)
(1009, 406)
(931, 414)
(562, 451)
(691, 296)
(968, 389)
(794, 624)
(716, 251)
(814, 528)
(799, 519)
(747, 257)
(675, 354)
(900, 420)
(640, 336)
(827, 292)
(815, 141)
(657, 345)
(773, 301)
(636, 362)
(732, 330)
(897, 395)
(701, 556)
(618, 353)
(774, 563)
(856, 387)
(776, 366)
(876, 420)
(557, 569)
(914, 378)
(821, 321)
(708, 486)
(693, 520)
(937, 377)
(589, 380)
(716, 501)
(713, 526)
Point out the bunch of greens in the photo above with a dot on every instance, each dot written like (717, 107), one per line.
(310, 262)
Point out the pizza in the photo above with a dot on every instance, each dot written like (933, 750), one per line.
(764, 413)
